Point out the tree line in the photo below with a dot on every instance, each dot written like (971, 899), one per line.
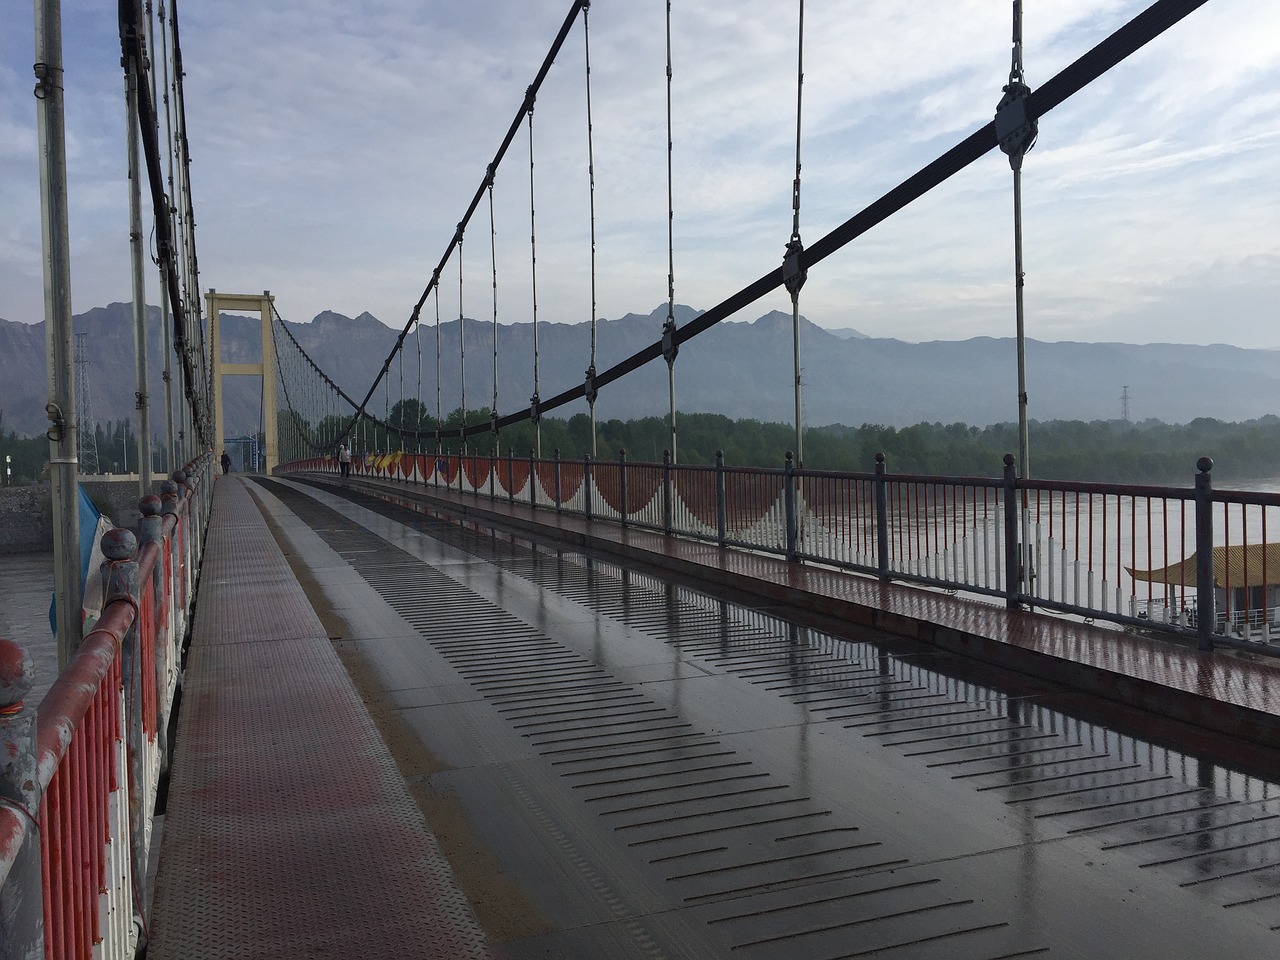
(1113, 451)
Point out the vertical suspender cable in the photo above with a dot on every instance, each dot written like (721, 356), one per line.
(166, 345)
(669, 346)
(133, 66)
(493, 260)
(439, 421)
(462, 351)
(535, 400)
(591, 193)
(793, 270)
(1016, 133)
(400, 419)
(417, 426)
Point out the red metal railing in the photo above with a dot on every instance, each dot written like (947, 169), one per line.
(75, 839)
(1121, 553)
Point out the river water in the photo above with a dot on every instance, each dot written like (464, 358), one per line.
(26, 588)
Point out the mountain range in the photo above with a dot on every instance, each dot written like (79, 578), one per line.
(740, 369)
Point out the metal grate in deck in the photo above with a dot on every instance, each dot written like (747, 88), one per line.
(1172, 814)
(290, 833)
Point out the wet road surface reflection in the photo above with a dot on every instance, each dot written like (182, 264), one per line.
(718, 780)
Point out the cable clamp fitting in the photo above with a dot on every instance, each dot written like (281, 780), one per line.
(535, 413)
(669, 346)
(591, 392)
(794, 272)
(55, 432)
(1016, 130)
(44, 80)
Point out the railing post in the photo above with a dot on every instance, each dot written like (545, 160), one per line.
(1012, 572)
(177, 588)
(557, 480)
(511, 475)
(789, 504)
(666, 492)
(22, 897)
(121, 582)
(586, 486)
(1206, 615)
(622, 483)
(151, 530)
(533, 481)
(722, 506)
(882, 519)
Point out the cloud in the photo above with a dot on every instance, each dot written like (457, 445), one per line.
(336, 145)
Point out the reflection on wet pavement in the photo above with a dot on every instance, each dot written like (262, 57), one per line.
(753, 786)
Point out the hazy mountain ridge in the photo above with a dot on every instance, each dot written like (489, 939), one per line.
(737, 369)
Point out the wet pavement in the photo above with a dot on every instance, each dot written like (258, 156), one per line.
(660, 772)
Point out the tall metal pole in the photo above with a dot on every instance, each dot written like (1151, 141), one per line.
(165, 319)
(669, 346)
(1024, 438)
(1016, 132)
(139, 282)
(63, 468)
(793, 270)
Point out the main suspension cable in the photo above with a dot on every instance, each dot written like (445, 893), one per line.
(530, 94)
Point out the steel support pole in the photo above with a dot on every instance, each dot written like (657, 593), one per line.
(139, 284)
(63, 466)
(1206, 615)
(795, 353)
(1024, 438)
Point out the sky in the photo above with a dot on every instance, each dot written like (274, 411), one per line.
(337, 143)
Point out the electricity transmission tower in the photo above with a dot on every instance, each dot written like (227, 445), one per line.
(88, 434)
(1124, 405)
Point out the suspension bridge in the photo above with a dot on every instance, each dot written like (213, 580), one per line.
(425, 688)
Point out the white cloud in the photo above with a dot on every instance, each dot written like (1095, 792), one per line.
(336, 144)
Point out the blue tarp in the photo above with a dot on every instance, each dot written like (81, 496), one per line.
(92, 526)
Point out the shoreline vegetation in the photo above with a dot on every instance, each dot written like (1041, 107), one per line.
(1108, 451)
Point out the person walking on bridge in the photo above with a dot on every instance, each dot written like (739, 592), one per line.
(344, 461)
(226, 462)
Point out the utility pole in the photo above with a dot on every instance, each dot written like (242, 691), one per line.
(88, 434)
(61, 408)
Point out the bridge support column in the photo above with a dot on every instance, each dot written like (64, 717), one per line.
(262, 304)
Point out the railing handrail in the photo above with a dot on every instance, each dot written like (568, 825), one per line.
(913, 537)
(137, 602)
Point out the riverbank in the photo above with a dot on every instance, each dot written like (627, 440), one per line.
(26, 512)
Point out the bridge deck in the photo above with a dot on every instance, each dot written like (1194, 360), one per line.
(1235, 695)
(287, 820)
(618, 766)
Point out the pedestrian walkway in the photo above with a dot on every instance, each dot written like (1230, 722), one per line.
(290, 832)
(1224, 693)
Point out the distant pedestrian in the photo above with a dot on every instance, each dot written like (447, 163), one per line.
(226, 462)
(344, 461)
